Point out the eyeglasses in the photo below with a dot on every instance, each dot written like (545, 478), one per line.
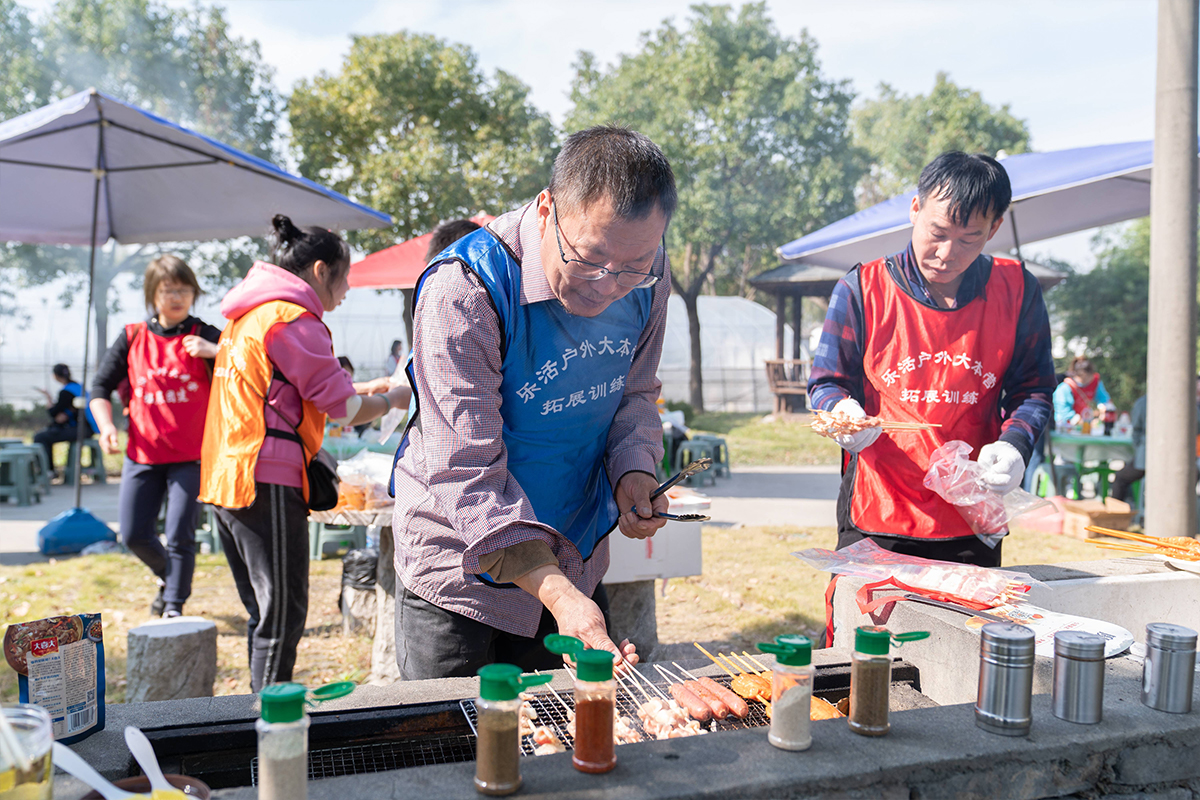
(184, 291)
(629, 278)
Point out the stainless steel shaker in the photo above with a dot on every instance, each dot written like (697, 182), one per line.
(1169, 669)
(1078, 691)
(1005, 679)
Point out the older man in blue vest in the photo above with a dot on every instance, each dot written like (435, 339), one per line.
(535, 347)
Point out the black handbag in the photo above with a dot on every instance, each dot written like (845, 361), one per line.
(323, 481)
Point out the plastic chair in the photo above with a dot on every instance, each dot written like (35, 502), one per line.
(206, 529)
(95, 468)
(41, 468)
(341, 536)
(720, 467)
(17, 476)
(691, 450)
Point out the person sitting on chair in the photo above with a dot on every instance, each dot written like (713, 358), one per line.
(64, 417)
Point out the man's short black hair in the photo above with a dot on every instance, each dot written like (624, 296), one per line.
(447, 233)
(614, 162)
(974, 184)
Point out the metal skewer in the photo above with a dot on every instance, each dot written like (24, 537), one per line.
(651, 684)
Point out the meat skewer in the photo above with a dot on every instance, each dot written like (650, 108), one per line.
(687, 697)
(720, 709)
(738, 707)
(833, 423)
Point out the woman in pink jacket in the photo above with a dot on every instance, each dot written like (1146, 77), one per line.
(275, 383)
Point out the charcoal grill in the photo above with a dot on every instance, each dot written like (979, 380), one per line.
(359, 741)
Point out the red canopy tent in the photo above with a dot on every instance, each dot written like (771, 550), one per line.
(398, 266)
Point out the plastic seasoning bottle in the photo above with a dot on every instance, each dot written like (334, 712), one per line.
(498, 740)
(791, 692)
(595, 703)
(871, 677)
(283, 738)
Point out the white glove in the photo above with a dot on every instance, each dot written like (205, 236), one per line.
(1004, 468)
(855, 442)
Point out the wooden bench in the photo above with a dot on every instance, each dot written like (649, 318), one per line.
(788, 379)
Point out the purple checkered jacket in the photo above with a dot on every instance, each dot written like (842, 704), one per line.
(455, 498)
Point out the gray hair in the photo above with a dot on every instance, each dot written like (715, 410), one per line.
(617, 163)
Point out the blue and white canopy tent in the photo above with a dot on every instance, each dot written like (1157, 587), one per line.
(89, 168)
(1054, 193)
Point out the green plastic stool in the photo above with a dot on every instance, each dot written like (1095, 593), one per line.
(206, 529)
(694, 449)
(320, 534)
(720, 467)
(41, 469)
(17, 477)
(95, 469)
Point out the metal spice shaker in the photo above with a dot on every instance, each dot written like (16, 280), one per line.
(1078, 693)
(1168, 672)
(1005, 679)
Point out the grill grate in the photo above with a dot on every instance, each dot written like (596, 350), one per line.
(362, 759)
(552, 712)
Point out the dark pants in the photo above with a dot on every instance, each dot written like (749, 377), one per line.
(48, 437)
(432, 642)
(1124, 478)
(143, 487)
(267, 548)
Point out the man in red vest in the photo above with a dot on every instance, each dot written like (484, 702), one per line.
(937, 333)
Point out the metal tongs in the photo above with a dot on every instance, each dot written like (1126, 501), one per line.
(699, 465)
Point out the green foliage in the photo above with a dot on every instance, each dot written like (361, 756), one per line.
(756, 135)
(689, 413)
(21, 419)
(411, 126)
(24, 83)
(1106, 310)
(902, 134)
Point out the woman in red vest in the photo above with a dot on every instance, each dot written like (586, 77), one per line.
(165, 365)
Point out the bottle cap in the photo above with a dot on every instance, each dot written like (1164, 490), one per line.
(876, 641)
(594, 666)
(505, 681)
(283, 702)
(563, 645)
(1079, 644)
(791, 650)
(1167, 636)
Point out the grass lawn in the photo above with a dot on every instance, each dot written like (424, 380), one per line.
(788, 441)
(751, 590)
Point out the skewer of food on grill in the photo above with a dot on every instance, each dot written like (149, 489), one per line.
(662, 717)
(1181, 547)
(836, 423)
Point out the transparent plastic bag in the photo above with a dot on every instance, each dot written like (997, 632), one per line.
(959, 481)
(865, 559)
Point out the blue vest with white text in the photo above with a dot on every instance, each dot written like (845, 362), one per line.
(563, 379)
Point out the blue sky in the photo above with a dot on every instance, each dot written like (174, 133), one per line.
(1079, 72)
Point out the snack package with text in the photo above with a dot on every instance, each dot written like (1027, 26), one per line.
(60, 666)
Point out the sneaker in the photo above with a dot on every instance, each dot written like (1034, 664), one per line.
(171, 614)
(160, 604)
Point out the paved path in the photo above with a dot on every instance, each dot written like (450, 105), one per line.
(804, 496)
(19, 525)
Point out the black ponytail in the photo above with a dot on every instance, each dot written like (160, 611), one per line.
(296, 249)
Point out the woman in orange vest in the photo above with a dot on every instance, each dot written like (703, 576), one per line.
(276, 382)
(162, 369)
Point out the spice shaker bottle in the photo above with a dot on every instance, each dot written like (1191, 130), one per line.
(871, 677)
(791, 692)
(1078, 689)
(595, 703)
(497, 727)
(1005, 693)
(1168, 672)
(283, 737)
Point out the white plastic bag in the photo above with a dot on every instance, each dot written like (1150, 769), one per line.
(959, 481)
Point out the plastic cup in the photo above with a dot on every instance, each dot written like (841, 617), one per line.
(34, 733)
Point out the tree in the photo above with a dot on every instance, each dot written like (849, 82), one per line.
(411, 126)
(24, 83)
(757, 137)
(181, 64)
(902, 134)
(1107, 311)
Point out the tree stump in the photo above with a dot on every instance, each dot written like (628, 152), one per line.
(384, 670)
(631, 610)
(170, 659)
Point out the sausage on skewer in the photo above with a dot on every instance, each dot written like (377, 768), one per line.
(737, 706)
(696, 708)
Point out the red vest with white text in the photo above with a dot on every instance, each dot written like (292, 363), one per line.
(931, 365)
(168, 398)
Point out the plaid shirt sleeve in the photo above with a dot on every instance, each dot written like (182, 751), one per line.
(837, 370)
(635, 437)
(1029, 381)
(456, 344)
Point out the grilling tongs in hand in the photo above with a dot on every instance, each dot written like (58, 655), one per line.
(699, 465)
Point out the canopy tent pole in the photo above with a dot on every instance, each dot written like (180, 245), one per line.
(1171, 359)
(81, 419)
(1012, 220)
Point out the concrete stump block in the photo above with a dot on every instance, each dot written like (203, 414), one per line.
(384, 670)
(631, 607)
(358, 610)
(170, 659)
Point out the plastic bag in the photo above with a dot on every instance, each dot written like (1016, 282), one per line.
(959, 481)
(865, 559)
(358, 568)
